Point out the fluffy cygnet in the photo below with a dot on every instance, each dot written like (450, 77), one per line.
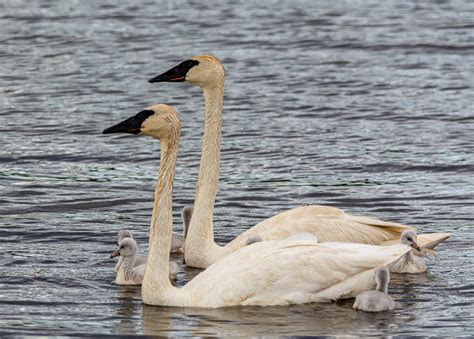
(131, 267)
(413, 261)
(378, 300)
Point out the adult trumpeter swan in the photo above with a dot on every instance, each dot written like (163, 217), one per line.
(327, 223)
(378, 300)
(291, 271)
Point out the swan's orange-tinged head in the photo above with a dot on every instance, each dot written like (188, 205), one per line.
(201, 70)
(159, 121)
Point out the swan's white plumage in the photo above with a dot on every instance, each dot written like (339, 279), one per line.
(326, 223)
(289, 271)
(294, 270)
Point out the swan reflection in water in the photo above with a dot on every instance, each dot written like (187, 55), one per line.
(311, 319)
(128, 311)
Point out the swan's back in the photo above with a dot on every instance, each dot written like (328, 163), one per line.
(327, 224)
(374, 301)
(289, 272)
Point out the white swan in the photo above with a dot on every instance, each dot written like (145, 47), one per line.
(291, 271)
(130, 266)
(413, 261)
(378, 300)
(327, 223)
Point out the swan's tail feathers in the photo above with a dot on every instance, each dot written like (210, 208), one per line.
(431, 240)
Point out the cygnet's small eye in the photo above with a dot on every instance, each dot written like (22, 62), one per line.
(409, 239)
(122, 246)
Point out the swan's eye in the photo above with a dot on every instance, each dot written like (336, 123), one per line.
(122, 246)
(409, 239)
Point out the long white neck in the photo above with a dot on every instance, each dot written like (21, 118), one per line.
(156, 280)
(200, 245)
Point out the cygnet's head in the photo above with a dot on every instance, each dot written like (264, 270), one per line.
(127, 248)
(159, 121)
(201, 70)
(122, 234)
(382, 277)
(409, 237)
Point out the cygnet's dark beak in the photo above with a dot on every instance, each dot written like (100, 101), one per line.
(416, 247)
(116, 253)
(175, 74)
(131, 125)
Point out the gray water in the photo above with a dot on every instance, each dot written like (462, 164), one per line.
(362, 105)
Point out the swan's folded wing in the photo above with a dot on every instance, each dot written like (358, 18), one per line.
(327, 223)
(288, 272)
(140, 261)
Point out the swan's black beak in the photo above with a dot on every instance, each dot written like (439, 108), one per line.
(131, 125)
(175, 74)
(416, 247)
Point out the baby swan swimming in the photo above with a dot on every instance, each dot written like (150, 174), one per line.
(177, 241)
(139, 260)
(378, 300)
(128, 272)
(413, 261)
(131, 267)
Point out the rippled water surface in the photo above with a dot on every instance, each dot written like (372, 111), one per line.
(363, 105)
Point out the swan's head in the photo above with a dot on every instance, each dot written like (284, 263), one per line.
(127, 248)
(382, 277)
(123, 234)
(201, 70)
(409, 237)
(159, 121)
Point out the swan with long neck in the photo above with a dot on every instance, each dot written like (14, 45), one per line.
(296, 270)
(327, 223)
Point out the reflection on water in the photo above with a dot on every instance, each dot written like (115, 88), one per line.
(241, 321)
(363, 105)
